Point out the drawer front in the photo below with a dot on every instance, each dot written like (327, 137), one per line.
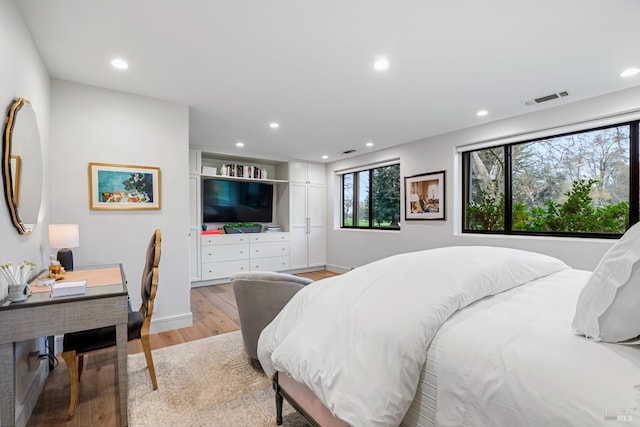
(220, 270)
(218, 253)
(224, 239)
(269, 249)
(270, 237)
(270, 264)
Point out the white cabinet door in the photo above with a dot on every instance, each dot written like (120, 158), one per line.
(194, 205)
(298, 247)
(297, 172)
(307, 216)
(194, 262)
(195, 161)
(317, 246)
(316, 174)
(316, 205)
(316, 237)
(298, 205)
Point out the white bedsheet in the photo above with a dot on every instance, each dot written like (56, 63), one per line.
(511, 359)
(359, 340)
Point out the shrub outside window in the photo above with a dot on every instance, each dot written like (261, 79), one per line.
(371, 198)
(580, 184)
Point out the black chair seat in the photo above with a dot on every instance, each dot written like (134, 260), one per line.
(95, 339)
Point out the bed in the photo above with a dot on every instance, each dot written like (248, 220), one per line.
(460, 336)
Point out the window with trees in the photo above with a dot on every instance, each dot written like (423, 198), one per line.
(371, 198)
(579, 184)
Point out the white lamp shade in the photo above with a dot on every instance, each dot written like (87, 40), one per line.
(413, 197)
(64, 235)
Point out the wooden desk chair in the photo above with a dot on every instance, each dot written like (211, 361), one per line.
(77, 344)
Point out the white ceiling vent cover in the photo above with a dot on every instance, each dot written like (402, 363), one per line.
(547, 98)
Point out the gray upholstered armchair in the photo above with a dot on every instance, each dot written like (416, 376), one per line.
(260, 296)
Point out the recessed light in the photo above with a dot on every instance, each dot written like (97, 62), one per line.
(325, 157)
(239, 144)
(381, 64)
(482, 113)
(369, 144)
(274, 125)
(120, 64)
(630, 72)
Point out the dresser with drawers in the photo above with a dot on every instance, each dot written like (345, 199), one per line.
(225, 254)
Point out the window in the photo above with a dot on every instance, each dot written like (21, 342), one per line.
(371, 198)
(578, 184)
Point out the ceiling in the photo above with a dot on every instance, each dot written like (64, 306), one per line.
(308, 65)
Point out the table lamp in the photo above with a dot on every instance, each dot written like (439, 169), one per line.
(63, 237)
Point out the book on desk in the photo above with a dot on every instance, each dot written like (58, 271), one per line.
(66, 289)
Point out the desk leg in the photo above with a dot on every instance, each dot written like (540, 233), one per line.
(121, 371)
(7, 386)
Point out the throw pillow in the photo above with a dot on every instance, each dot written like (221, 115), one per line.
(608, 308)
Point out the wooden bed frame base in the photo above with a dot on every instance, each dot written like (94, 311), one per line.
(304, 401)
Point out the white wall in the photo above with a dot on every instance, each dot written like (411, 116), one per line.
(348, 248)
(23, 74)
(89, 124)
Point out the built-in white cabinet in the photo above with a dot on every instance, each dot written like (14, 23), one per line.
(225, 254)
(299, 208)
(307, 219)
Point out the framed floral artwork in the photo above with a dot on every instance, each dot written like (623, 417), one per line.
(424, 196)
(123, 187)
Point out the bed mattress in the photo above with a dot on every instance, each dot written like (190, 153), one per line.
(512, 359)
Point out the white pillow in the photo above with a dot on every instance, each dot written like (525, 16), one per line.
(608, 307)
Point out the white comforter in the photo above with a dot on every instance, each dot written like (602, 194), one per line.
(359, 340)
(532, 370)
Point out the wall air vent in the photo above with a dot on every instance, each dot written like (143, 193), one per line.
(349, 151)
(547, 98)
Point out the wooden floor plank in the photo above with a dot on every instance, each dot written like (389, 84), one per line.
(214, 312)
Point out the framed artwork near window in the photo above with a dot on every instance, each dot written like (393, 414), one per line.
(123, 187)
(424, 196)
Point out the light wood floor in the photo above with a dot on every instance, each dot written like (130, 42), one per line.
(214, 312)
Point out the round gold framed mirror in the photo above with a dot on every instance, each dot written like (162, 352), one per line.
(22, 165)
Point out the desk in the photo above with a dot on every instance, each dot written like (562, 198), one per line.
(40, 316)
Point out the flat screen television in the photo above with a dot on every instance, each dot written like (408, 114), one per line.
(236, 201)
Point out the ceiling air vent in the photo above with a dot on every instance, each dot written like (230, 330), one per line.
(548, 98)
(349, 151)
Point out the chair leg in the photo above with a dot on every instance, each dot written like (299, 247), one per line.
(146, 346)
(80, 365)
(71, 359)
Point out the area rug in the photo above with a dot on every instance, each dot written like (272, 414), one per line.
(208, 382)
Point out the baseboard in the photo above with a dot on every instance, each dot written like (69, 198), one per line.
(201, 283)
(305, 270)
(171, 322)
(338, 268)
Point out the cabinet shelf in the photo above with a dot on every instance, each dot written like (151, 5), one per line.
(235, 178)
